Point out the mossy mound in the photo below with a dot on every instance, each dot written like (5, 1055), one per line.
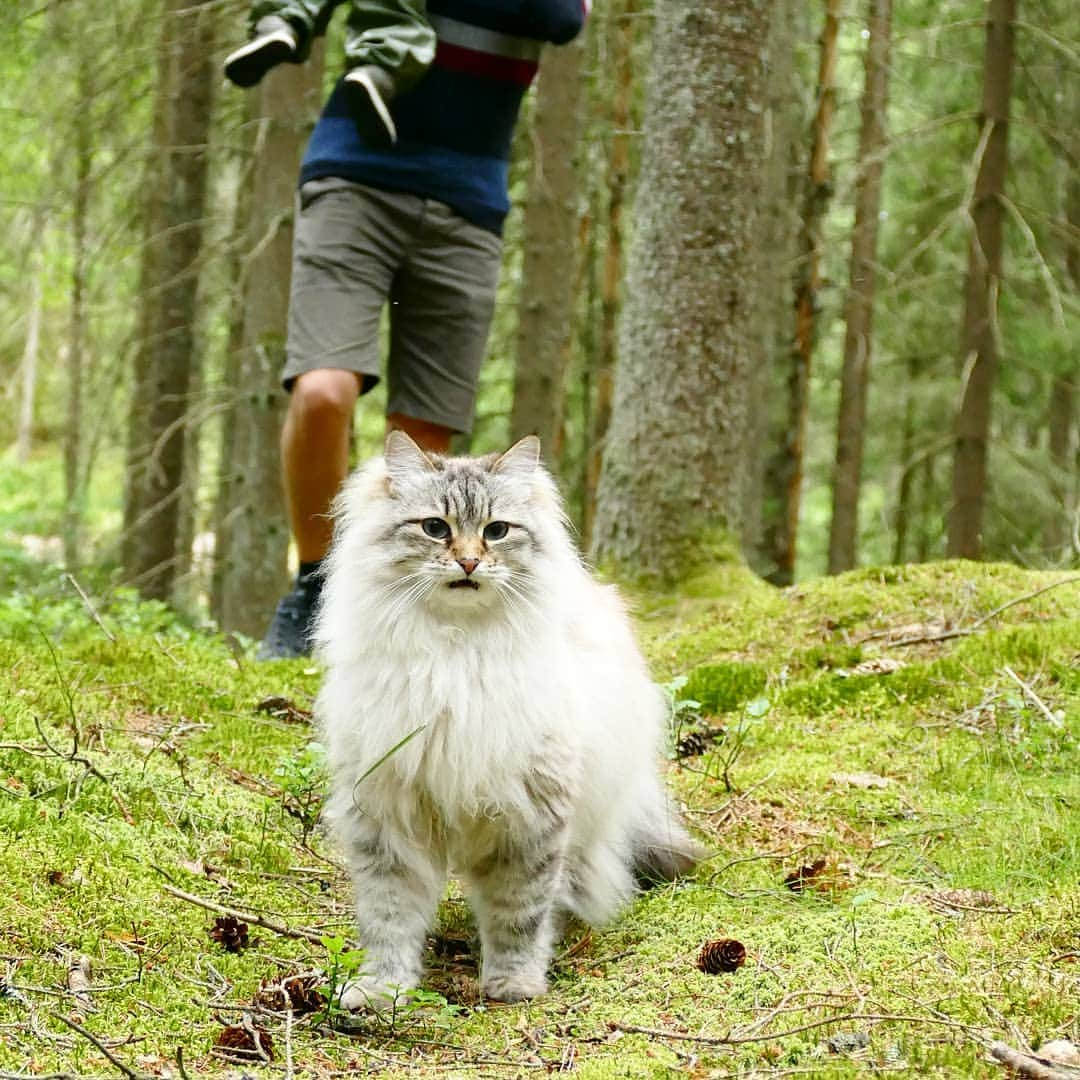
(890, 793)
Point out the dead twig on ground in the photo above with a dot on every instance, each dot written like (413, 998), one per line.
(302, 933)
(90, 608)
(123, 1066)
(739, 1040)
(1030, 1065)
(78, 980)
(964, 631)
(1034, 698)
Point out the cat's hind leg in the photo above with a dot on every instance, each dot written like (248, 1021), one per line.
(397, 886)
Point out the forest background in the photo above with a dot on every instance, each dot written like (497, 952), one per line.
(869, 279)
(796, 282)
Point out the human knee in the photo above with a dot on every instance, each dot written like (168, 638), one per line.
(324, 397)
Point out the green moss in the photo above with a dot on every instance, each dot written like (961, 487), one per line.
(721, 688)
(944, 774)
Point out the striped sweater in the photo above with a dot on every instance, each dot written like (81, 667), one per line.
(455, 126)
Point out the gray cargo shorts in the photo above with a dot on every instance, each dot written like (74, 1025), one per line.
(357, 247)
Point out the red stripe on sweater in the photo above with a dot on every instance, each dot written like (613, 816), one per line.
(487, 65)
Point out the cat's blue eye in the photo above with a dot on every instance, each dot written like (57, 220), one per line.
(496, 530)
(436, 528)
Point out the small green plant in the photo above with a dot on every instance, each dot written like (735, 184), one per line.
(682, 713)
(737, 737)
(302, 779)
(342, 964)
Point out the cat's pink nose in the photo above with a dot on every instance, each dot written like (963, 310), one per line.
(468, 565)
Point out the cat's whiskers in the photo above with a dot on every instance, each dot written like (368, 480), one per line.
(415, 592)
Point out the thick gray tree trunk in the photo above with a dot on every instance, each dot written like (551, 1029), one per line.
(158, 484)
(254, 548)
(671, 488)
(620, 34)
(979, 341)
(859, 314)
(547, 306)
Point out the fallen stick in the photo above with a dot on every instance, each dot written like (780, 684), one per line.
(246, 916)
(1028, 1065)
(841, 1018)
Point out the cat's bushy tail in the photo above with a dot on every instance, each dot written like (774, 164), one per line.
(662, 849)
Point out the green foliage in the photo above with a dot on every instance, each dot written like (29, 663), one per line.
(722, 688)
(131, 764)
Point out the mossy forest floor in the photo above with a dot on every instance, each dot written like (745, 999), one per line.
(885, 765)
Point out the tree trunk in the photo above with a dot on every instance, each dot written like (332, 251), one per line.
(621, 21)
(858, 336)
(73, 431)
(155, 181)
(173, 361)
(547, 305)
(255, 550)
(230, 380)
(778, 228)
(816, 200)
(979, 343)
(29, 367)
(671, 487)
(1064, 391)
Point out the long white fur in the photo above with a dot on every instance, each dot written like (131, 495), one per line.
(487, 685)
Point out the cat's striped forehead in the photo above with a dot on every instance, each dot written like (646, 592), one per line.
(464, 491)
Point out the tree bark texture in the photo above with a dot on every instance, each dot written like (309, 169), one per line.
(621, 20)
(171, 369)
(859, 314)
(817, 193)
(765, 497)
(671, 487)
(73, 430)
(547, 305)
(1062, 439)
(155, 180)
(29, 367)
(256, 540)
(979, 342)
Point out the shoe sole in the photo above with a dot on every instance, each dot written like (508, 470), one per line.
(369, 111)
(252, 61)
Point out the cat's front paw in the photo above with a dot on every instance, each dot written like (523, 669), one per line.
(514, 986)
(369, 994)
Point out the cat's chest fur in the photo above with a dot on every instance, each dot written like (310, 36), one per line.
(472, 716)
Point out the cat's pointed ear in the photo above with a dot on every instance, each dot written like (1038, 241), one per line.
(404, 457)
(520, 460)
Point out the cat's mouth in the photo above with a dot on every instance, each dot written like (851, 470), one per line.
(464, 583)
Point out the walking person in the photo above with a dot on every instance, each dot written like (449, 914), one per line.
(415, 222)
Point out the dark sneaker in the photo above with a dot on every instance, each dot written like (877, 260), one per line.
(274, 43)
(289, 635)
(369, 90)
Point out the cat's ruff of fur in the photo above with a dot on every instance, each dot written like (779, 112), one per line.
(508, 732)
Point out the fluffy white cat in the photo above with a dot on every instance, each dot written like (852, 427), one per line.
(486, 711)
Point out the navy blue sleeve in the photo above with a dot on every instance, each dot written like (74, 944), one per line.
(557, 21)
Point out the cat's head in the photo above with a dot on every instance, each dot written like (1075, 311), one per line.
(468, 534)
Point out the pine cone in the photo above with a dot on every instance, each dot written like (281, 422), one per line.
(697, 741)
(239, 1041)
(806, 877)
(725, 954)
(691, 744)
(230, 933)
(299, 992)
(962, 898)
